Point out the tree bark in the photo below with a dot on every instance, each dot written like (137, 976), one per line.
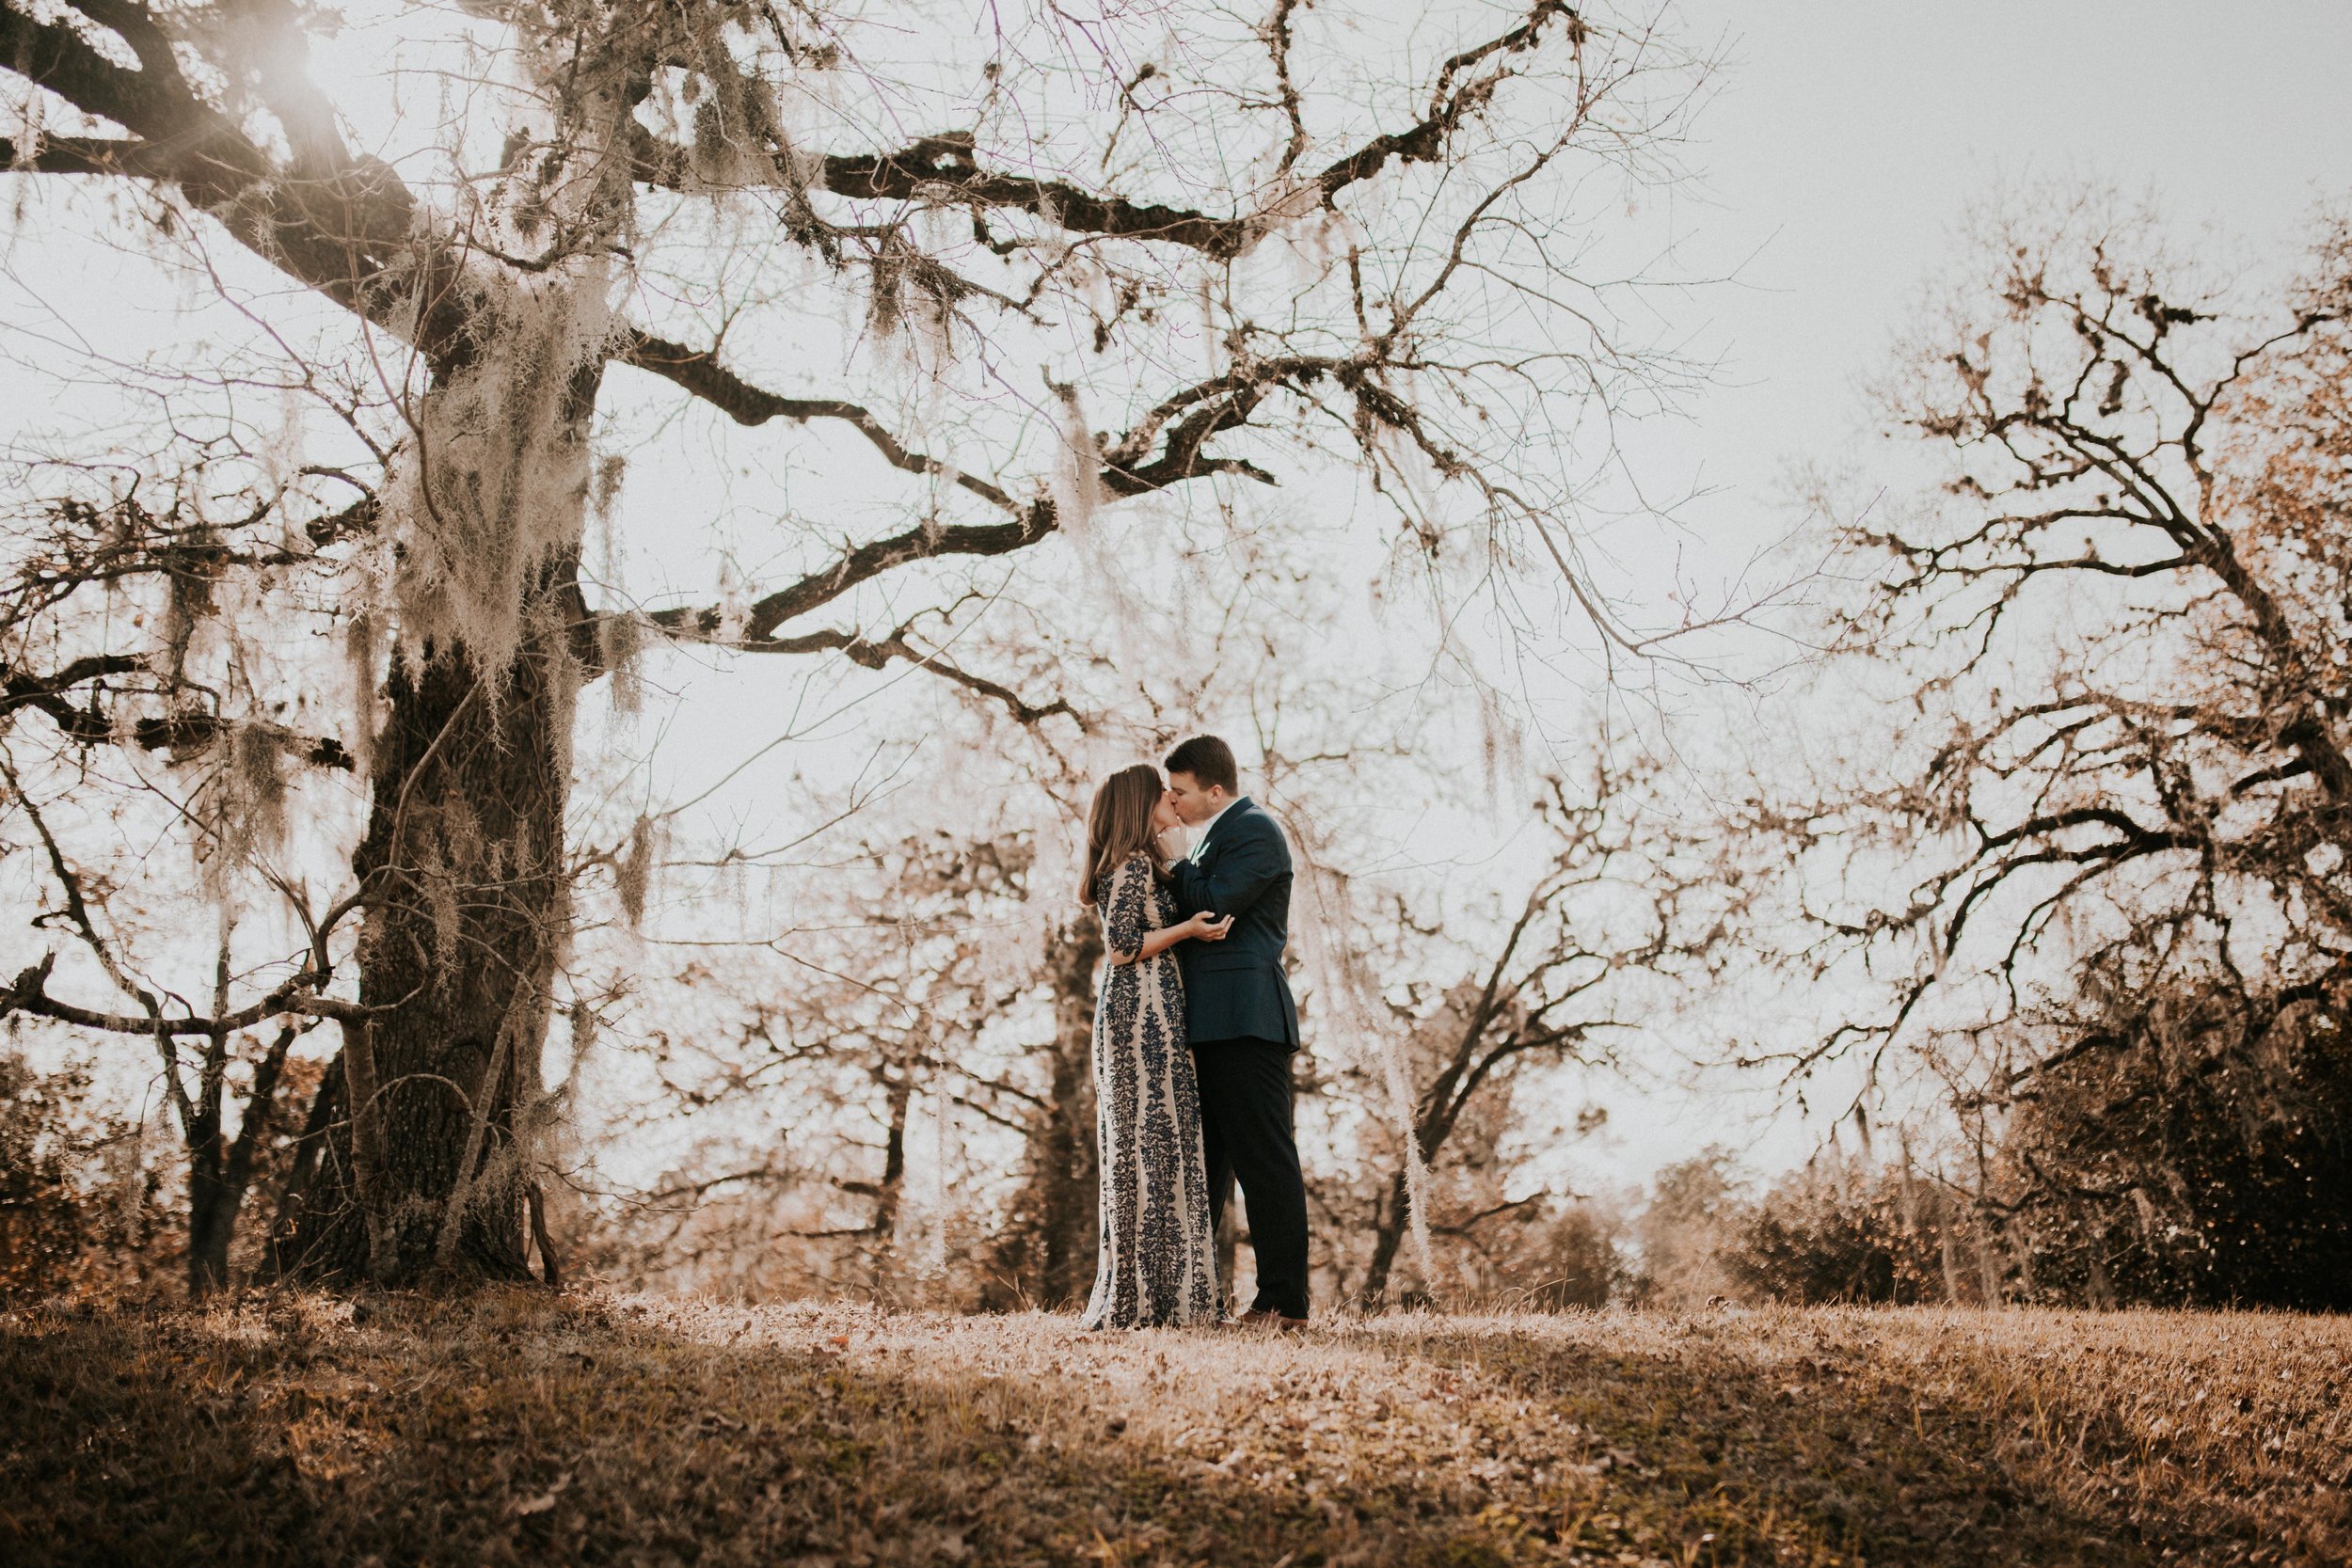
(220, 1169)
(899, 1088)
(1046, 1254)
(1388, 1234)
(1396, 1215)
(212, 1221)
(289, 1234)
(551, 1271)
(1067, 1188)
(462, 875)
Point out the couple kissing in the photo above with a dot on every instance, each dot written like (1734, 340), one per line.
(1194, 1028)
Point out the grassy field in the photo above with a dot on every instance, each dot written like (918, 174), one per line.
(627, 1431)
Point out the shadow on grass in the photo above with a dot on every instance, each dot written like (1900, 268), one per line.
(1877, 1469)
(532, 1433)
(428, 1436)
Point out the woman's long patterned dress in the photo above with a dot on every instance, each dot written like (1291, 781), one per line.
(1157, 1262)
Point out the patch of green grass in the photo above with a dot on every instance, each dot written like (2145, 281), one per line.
(521, 1428)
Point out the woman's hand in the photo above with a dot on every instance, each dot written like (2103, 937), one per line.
(1201, 928)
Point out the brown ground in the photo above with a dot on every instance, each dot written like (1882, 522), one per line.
(635, 1431)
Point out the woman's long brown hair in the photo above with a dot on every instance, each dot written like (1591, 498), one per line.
(1120, 823)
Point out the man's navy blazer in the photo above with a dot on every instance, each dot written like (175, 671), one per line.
(1235, 989)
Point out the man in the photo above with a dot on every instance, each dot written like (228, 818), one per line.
(1240, 1016)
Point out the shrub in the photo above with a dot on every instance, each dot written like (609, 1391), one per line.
(2191, 1146)
(1828, 1235)
(75, 1201)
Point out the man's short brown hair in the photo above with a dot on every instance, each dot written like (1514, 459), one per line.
(1207, 759)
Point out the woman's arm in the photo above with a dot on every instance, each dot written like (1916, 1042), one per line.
(1127, 910)
(1156, 942)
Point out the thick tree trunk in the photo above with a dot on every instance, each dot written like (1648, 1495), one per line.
(213, 1206)
(1954, 1292)
(1387, 1233)
(1068, 1190)
(220, 1170)
(312, 1151)
(891, 1191)
(462, 872)
(1046, 1254)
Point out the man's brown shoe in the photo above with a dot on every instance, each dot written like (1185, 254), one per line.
(1272, 1323)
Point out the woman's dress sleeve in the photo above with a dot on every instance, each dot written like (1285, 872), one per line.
(1127, 912)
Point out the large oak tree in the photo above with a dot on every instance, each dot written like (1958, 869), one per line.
(1048, 264)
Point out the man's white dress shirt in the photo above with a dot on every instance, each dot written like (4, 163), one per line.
(1206, 827)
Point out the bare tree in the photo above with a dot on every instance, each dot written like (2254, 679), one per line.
(920, 994)
(2122, 633)
(1619, 914)
(1072, 204)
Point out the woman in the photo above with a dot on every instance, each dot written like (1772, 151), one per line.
(1157, 1262)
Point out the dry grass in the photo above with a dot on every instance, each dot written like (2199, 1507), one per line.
(635, 1431)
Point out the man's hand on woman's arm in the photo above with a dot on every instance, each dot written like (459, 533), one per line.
(1201, 928)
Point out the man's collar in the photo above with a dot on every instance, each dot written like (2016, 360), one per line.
(1202, 843)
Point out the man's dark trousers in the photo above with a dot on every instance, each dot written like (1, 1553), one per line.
(1247, 1134)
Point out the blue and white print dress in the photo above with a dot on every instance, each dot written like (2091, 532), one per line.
(1157, 1262)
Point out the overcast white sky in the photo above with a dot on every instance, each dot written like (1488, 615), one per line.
(1844, 143)
(1847, 137)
